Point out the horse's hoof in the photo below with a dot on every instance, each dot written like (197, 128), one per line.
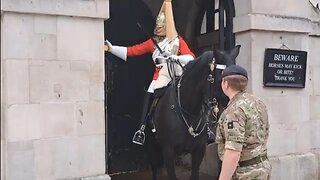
(210, 140)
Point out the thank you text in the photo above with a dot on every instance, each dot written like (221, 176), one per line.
(284, 68)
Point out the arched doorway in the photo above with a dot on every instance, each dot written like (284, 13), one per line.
(210, 27)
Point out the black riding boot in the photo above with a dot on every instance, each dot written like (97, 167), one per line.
(139, 136)
(150, 114)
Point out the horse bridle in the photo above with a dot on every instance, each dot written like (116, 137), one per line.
(211, 100)
(211, 103)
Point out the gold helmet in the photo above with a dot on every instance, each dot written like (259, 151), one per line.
(165, 22)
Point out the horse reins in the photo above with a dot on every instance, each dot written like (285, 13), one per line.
(211, 104)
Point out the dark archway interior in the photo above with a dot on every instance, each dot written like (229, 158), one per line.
(126, 83)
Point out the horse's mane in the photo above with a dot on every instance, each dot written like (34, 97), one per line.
(198, 63)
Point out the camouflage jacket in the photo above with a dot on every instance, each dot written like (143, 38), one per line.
(243, 126)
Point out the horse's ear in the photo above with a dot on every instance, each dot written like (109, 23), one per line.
(235, 51)
(218, 54)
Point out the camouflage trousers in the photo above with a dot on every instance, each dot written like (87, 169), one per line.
(260, 171)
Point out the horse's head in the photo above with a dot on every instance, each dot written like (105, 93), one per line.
(227, 57)
(204, 75)
(198, 92)
(210, 66)
(215, 98)
(220, 60)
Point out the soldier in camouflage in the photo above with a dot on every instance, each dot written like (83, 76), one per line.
(242, 130)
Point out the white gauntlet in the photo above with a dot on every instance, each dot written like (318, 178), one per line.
(183, 59)
(119, 51)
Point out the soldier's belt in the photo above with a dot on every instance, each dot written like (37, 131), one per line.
(253, 161)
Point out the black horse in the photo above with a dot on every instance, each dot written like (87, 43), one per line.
(182, 113)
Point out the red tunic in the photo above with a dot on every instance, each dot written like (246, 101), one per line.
(148, 47)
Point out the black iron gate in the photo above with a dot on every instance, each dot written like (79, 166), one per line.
(217, 26)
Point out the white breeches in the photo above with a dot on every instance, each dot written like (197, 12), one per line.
(164, 77)
(151, 86)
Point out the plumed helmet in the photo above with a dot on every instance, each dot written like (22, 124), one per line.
(161, 19)
(165, 19)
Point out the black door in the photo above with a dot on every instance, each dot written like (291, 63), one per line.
(125, 84)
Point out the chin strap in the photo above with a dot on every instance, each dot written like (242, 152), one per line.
(119, 51)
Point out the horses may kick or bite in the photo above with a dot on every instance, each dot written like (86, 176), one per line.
(183, 112)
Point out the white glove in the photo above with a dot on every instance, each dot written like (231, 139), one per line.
(107, 45)
(118, 51)
(174, 58)
(183, 59)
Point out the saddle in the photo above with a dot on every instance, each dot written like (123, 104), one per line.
(158, 93)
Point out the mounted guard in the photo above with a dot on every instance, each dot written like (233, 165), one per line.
(165, 45)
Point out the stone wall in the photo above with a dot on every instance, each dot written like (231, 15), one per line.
(294, 114)
(52, 89)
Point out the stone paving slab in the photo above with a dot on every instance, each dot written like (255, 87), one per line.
(182, 173)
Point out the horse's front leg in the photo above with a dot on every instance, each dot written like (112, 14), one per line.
(168, 154)
(154, 173)
(197, 156)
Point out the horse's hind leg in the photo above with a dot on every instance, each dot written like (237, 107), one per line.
(154, 173)
(197, 157)
(168, 154)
